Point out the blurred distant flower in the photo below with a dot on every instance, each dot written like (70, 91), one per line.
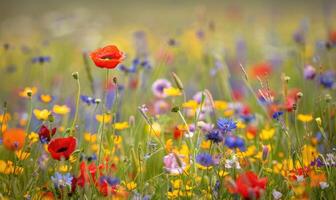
(309, 72)
(61, 109)
(61, 180)
(159, 86)
(276, 194)
(45, 134)
(62, 148)
(261, 69)
(174, 163)
(204, 159)
(45, 98)
(327, 79)
(41, 59)
(215, 136)
(249, 186)
(13, 139)
(107, 57)
(226, 125)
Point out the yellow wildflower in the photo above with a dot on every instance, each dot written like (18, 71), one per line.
(61, 110)
(45, 98)
(33, 137)
(27, 90)
(42, 114)
(205, 144)
(22, 155)
(172, 91)
(220, 105)
(117, 139)
(90, 137)
(241, 124)
(121, 125)
(64, 168)
(154, 130)
(131, 185)
(267, 133)
(228, 113)
(105, 117)
(191, 104)
(305, 118)
(169, 145)
(177, 183)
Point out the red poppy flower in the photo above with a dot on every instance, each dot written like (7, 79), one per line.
(62, 147)
(45, 134)
(177, 133)
(107, 57)
(249, 186)
(261, 70)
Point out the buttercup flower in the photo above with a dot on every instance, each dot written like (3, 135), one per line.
(42, 114)
(61, 110)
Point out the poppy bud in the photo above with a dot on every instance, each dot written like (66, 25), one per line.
(175, 109)
(29, 93)
(178, 81)
(75, 75)
(131, 120)
(318, 121)
(97, 101)
(265, 152)
(51, 118)
(327, 98)
(299, 95)
(115, 80)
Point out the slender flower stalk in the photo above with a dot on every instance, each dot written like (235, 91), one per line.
(75, 75)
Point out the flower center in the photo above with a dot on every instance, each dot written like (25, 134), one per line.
(63, 149)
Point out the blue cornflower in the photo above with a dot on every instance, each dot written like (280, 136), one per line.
(235, 142)
(276, 115)
(226, 125)
(41, 59)
(62, 180)
(215, 136)
(204, 159)
(247, 118)
(110, 180)
(327, 79)
(88, 100)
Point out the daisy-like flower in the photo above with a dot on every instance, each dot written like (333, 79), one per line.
(62, 180)
(226, 125)
(159, 86)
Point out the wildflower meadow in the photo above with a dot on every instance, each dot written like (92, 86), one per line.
(167, 100)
